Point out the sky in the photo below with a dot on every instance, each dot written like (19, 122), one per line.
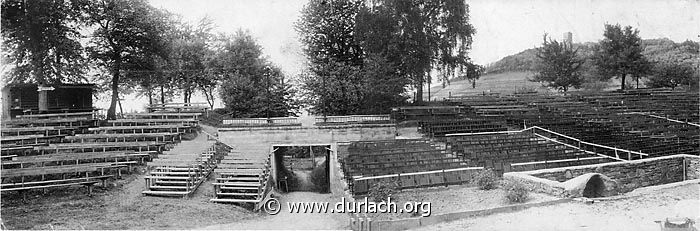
(504, 27)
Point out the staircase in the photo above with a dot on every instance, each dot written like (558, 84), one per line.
(180, 171)
(243, 175)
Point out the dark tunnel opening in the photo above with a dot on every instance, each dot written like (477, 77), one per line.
(595, 187)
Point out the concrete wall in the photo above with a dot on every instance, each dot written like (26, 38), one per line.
(308, 136)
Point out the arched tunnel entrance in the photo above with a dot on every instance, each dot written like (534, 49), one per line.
(302, 168)
(595, 187)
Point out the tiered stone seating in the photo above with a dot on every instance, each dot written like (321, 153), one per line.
(243, 176)
(180, 171)
(516, 151)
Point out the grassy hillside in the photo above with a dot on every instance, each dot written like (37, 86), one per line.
(504, 83)
(655, 50)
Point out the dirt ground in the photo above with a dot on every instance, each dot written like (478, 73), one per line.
(286, 220)
(120, 206)
(634, 213)
(454, 198)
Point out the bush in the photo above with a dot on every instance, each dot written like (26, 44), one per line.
(486, 179)
(516, 192)
(381, 191)
(319, 178)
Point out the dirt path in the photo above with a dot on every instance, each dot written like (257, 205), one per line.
(636, 213)
(294, 221)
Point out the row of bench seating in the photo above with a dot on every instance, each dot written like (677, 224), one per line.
(74, 150)
(388, 157)
(523, 148)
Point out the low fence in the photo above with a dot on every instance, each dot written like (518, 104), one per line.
(353, 119)
(277, 121)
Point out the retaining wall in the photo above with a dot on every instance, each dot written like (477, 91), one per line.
(628, 175)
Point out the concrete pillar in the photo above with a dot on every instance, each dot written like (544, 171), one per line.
(43, 99)
(335, 186)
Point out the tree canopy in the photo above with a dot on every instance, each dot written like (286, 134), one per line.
(344, 39)
(251, 85)
(558, 65)
(128, 35)
(620, 53)
(41, 39)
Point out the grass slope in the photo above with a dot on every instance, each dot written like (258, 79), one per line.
(503, 83)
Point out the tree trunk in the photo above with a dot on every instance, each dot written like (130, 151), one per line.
(121, 110)
(209, 94)
(150, 96)
(162, 94)
(623, 81)
(185, 95)
(419, 93)
(112, 111)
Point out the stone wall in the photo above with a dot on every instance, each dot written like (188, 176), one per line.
(628, 175)
(692, 167)
(536, 184)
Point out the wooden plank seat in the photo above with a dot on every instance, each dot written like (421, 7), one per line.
(101, 146)
(148, 122)
(70, 122)
(89, 115)
(45, 130)
(172, 128)
(62, 169)
(62, 157)
(163, 115)
(125, 137)
(30, 139)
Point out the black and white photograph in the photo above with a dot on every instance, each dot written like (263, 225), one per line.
(363, 115)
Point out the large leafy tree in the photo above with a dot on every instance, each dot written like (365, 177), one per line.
(251, 85)
(41, 40)
(474, 72)
(673, 74)
(128, 33)
(558, 65)
(412, 37)
(326, 30)
(620, 54)
(430, 35)
(190, 52)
